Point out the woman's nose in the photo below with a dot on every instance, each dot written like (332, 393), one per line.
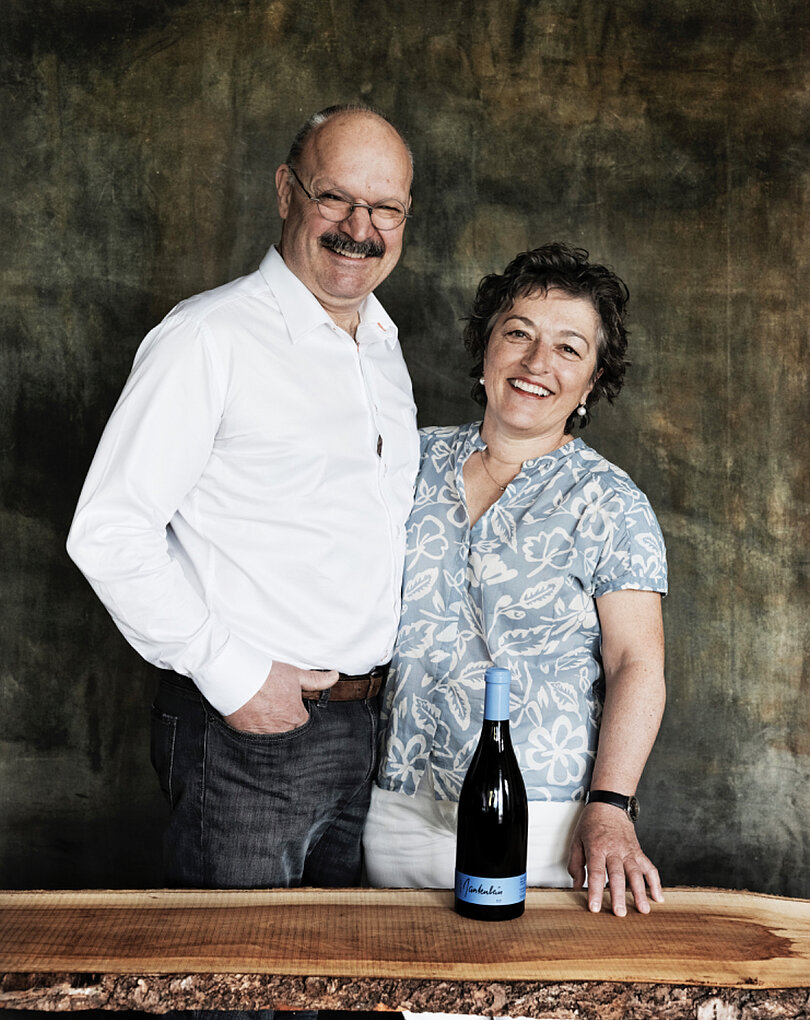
(535, 357)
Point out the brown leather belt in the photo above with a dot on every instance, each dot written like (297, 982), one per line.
(354, 688)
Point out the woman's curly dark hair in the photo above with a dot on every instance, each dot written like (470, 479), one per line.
(556, 266)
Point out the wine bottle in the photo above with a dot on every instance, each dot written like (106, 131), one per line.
(493, 817)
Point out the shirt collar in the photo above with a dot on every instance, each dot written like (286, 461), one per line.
(474, 440)
(302, 312)
(470, 436)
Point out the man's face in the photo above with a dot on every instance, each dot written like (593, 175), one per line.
(361, 157)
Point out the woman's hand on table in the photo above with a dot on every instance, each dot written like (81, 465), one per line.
(605, 848)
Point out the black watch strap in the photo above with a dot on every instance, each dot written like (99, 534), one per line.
(629, 805)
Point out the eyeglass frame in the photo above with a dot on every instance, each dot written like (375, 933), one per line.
(406, 213)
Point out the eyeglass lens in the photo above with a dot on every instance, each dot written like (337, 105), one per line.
(384, 217)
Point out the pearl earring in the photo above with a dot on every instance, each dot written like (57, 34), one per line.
(481, 380)
(582, 410)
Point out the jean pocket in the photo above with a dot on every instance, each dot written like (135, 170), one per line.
(259, 739)
(162, 744)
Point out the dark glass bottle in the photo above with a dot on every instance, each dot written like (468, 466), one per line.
(493, 818)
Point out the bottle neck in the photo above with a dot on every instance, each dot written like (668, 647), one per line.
(496, 703)
(495, 734)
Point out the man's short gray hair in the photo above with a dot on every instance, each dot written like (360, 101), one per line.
(322, 116)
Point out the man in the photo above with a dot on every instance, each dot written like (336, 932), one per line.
(243, 522)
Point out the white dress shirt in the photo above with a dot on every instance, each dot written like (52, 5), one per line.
(237, 509)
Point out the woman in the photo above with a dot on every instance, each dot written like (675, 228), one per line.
(527, 549)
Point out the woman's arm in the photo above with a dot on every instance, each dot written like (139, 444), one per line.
(604, 840)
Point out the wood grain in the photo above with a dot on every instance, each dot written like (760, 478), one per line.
(698, 937)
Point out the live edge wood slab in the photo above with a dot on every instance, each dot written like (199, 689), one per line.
(708, 954)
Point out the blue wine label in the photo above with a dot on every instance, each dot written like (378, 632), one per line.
(493, 892)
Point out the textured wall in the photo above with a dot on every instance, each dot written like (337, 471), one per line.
(139, 144)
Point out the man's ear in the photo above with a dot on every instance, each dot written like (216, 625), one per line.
(283, 190)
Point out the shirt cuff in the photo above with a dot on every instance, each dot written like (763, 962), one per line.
(630, 583)
(234, 676)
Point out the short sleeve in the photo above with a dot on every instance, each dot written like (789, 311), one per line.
(633, 555)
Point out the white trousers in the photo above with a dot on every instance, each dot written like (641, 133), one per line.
(410, 842)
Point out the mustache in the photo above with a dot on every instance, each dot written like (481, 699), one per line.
(340, 243)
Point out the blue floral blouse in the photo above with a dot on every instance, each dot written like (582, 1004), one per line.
(517, 590)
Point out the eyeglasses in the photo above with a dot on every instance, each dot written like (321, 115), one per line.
(386, 216)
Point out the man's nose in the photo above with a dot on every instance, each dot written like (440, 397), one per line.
(358, 223)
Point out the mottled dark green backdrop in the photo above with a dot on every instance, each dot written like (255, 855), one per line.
(139, 141)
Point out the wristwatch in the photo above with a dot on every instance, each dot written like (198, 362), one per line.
(629, 805)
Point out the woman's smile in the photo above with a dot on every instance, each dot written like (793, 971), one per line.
(524, 386)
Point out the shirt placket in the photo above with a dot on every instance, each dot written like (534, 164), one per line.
(368, 379)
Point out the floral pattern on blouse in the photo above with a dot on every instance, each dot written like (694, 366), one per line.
(517, 590)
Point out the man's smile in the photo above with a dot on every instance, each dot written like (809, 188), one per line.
(339, 244)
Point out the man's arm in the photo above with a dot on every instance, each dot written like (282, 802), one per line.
(152, 453)
(605, 840)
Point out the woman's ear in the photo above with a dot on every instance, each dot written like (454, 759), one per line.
(594, 380)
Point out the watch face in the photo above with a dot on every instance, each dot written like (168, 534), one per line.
(632, 808)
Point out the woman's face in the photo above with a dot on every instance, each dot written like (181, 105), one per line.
(539, 364)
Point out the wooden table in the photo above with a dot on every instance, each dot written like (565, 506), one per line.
(708, 954)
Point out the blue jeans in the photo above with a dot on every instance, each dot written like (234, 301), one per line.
(261, 810)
